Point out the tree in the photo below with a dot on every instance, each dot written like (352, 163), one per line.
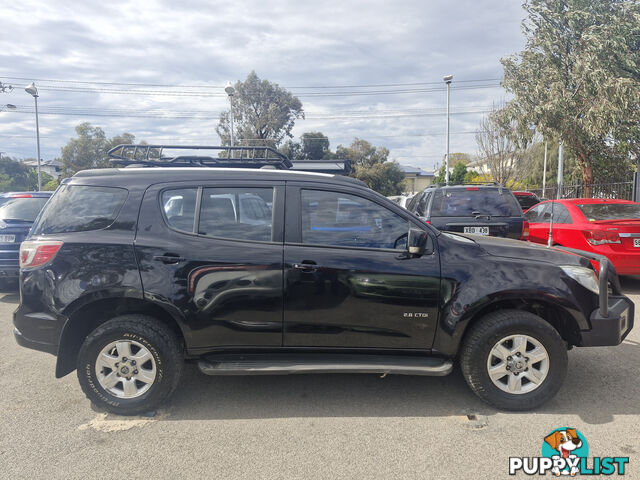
(578, 78)
(89, 149)
(500, 150)
(362, 153)
(386, 178)
(15, 175)
(315, 145)
(312, 146)
(264, 113)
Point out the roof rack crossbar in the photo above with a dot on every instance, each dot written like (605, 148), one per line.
(154, 155)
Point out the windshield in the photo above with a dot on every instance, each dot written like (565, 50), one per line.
(472, 201)
(25, 209)
(610, 211)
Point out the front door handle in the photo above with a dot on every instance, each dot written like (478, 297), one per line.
(306, 266)
(169, 258)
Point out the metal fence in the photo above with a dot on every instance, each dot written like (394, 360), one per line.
(619, 190)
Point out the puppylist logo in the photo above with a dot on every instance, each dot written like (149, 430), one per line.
(565, 451)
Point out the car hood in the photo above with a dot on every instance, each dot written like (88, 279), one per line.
(505, 247)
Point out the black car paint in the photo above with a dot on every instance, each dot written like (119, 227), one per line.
(232, 295)
(499, 226)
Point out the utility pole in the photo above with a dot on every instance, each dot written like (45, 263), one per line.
(447, 79)
(560, 169)
(544, 173)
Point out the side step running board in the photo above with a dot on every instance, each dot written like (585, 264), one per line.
(285, 364)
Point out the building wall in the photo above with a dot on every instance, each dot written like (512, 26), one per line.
(414, 184)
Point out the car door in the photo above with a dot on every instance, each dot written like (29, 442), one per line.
(538, 224)
(213, 253)
(349, 280)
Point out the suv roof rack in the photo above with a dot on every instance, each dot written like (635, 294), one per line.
(495, 184)
(156, 156)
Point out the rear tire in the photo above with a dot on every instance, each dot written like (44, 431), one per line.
(526, 355)
(130, 364)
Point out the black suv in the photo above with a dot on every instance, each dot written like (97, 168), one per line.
(478, 209)
(128, 272)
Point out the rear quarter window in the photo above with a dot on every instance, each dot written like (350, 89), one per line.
(80, 208)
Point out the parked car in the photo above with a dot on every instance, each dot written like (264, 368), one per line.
(18, 210)
(606, 227)
(339, 280)
(526, 199)
(487, 209)
(402, 200)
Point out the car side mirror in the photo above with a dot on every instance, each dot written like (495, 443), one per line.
(417, 241)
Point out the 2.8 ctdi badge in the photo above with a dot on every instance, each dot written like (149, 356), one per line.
(565, 451)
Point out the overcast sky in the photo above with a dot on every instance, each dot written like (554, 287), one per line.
(324, 52)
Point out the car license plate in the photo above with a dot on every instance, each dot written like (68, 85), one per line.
(477, 230)
(12, 238)
(636, 242)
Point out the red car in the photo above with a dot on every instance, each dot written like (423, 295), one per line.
(607, 227)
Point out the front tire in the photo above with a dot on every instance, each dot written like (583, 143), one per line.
(130, 364)
(514, 360)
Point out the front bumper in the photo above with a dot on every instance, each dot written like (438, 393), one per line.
(611, 329)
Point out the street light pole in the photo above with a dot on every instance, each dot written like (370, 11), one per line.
(230, 92)
(544, 172)
(33, 91)
(447, 79)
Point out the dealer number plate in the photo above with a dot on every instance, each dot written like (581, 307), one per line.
(477, 230)
(12, 238)
(636, 242)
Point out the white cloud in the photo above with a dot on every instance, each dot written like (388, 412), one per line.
(293, 43)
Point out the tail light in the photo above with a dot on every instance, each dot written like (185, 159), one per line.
(600, 237)
(525, 231)
(427, 221)
(36, 254)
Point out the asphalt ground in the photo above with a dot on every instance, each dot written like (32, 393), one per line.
(307, 426)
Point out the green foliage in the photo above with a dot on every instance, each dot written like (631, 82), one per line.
(16, 176)
(264, 113)
(386, 178)
(471, 177)
(362, 153)
(51, 185)
(315, 145)
(458, 175)
(312, 146)
(578, 78)
(89, 149)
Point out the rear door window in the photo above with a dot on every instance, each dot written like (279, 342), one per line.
(237, 213)
(80, 208)
(472, 201)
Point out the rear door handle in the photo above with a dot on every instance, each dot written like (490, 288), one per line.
(305, 266)
(169, 258)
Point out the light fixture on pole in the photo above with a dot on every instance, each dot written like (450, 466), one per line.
(33, 91)
(230, 92)
(447, 79)
(7, 106)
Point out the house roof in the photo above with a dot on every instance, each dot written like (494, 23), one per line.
(418, 172)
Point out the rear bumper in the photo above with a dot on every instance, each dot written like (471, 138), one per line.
(29, 343)
(37, 330)
(611, 329)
